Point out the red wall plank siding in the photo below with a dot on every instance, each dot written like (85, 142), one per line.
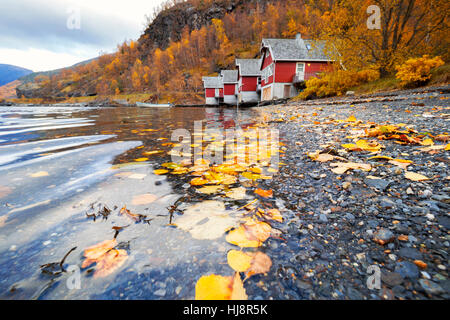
(285, 71)
(229, 89)
(221, 93)
(210, 92)
(269, 81)
(312, 68)
(249, 83)
(267, 61)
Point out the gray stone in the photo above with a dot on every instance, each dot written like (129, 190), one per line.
(379, 184)
(383, 236)
(407, 270)
(323, 218)
(392, 279)
(431, 287)
(386, 203)
(160, 292)
(410, 253)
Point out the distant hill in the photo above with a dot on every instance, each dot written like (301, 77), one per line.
(29, 77)
(9, 73)
(8, 91)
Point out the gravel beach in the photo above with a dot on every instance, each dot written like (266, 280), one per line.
(347, 225)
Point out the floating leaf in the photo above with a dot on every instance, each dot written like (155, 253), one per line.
(206, 220)
(107, 259)
(143, 199)
(160, 171)
(129, 214)
(260, 263)
(240, 238)
(351, 118)
(4, 191)
(216, 287)
(39, 174)
(137, 176)
(257, 230)
(239, 261)
(250, 263)
(96, 251)
(110, 262)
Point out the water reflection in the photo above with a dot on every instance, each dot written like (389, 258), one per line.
(58, 162)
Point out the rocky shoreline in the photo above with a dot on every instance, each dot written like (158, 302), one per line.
(346, 223)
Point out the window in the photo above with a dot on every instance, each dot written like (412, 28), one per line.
(300, 67)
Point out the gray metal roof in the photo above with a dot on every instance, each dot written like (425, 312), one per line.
(296, 49)
(249, 67)
(212, 82)
(229, 76)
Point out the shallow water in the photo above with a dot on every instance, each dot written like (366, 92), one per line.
(60, 164)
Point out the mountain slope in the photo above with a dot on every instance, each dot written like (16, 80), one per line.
(30, 77)
(9, 73)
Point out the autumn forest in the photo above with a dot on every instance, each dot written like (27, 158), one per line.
(409, 28)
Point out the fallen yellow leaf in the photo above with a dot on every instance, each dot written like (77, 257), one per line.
(143, 199)
(415, 176)
(39, 174)
(216, 287)
(239, 261)
(160, 171)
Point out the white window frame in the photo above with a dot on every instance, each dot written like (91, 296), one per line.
(300, 64)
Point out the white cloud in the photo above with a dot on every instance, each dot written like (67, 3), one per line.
(43, 60)
(34, 33)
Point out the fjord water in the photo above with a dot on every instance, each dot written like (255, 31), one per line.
(58, 163)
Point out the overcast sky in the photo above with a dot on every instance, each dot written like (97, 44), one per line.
(50, 34)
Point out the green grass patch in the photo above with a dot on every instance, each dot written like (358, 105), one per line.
(382, 84)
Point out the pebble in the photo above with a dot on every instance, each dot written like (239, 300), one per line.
(160, 292)
(178, 290)
(393, 257)
(407, 270)
(383, 236)
(410, 253)
(431, 287)
(391, 278)
(386, 203)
